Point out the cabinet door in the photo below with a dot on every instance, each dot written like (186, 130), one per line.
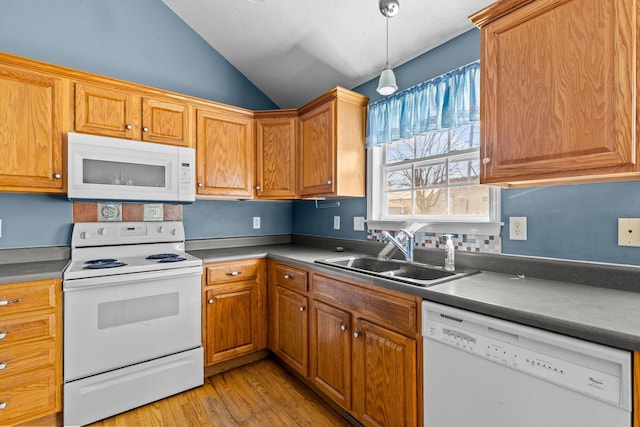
(384, 383)
(317, 150)
(330, 352)
(106, 111)
(558, 91)
(232, 321)
(291, 333)
(32, 119)
(166, 122)
(225, 152)
(276, 158)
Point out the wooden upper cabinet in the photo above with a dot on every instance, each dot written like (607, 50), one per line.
(224, 153)
(558, 91)
(34, 113)
(331, 137)
(276, 154)
(118, 113)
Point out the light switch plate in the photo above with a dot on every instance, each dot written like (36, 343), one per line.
(358, 223)
(628, 231)
(518, 228)
(256, 222)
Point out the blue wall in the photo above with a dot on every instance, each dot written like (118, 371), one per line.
(457, 52)
(141, 41)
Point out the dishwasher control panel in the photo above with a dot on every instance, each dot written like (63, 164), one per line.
(526, 349)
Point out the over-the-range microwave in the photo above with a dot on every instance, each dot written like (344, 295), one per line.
(104, 168)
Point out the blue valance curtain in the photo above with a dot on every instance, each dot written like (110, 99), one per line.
(450, 100)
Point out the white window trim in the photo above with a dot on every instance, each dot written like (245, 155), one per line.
(375, 220)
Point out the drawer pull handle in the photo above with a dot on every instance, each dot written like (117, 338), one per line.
(10, 301)
(3, 366)
(3, 335)
(288, 277)
(3, 405)
(233, 273)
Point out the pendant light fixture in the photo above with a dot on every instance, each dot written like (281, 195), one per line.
(387, 83)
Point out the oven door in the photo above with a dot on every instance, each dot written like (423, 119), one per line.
(121, 320)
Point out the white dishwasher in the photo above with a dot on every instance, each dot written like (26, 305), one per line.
(485, 372)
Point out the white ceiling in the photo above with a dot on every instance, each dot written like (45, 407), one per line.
(296, 50)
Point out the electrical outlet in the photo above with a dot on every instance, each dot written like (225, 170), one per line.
(358, 223)
(628, 232)
(256, 222)
(0, 228)
(336, 222)
(518, 228)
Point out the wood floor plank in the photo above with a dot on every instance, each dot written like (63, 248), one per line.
(261, 394)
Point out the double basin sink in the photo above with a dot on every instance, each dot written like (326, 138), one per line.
(401, 271)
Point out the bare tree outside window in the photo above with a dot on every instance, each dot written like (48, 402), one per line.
(437, 174)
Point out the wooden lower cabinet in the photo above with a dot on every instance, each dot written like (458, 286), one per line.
(330, 352)
(30, 350)
(234, 309)
(291, 329)
(364, 351)
(384, 378)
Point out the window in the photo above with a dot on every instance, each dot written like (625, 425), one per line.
(424, 158)
(435, 174)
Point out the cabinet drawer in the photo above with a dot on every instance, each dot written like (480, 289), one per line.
(291, 278)
(28, 395)
(20, 358)
(20, 297)
(232, 271)
(28, 328)
(399, 314)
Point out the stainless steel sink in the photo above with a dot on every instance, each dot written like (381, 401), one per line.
(402, 271)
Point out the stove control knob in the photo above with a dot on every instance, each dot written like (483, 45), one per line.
(102, 231)
(85, 235)
(174, 231)
(160, 229)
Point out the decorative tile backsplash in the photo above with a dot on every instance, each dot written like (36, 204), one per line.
(125, 212)
(462, 242)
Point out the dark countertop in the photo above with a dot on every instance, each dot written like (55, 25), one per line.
(603, 315)
(28, 271)
(600, 314)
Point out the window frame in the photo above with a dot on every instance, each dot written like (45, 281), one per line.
(377, 220)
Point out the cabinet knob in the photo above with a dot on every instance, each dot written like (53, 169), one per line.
(258, 187)
(200, 184)
(128, 127)
(145, 129)
(288, 277)
(210, 301)
(302, 308)
(343, 328)
(356, 334)
(3, 405)
(3, 335)
(486, 161)
(57, 175)
(329, 182)
(2, 366)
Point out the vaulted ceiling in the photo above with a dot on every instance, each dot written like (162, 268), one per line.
(295, 50)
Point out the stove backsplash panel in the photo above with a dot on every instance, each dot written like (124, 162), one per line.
(125, 212)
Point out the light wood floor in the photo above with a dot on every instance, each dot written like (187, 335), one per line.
(259, 394)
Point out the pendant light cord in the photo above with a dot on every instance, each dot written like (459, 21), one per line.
(387, 16)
